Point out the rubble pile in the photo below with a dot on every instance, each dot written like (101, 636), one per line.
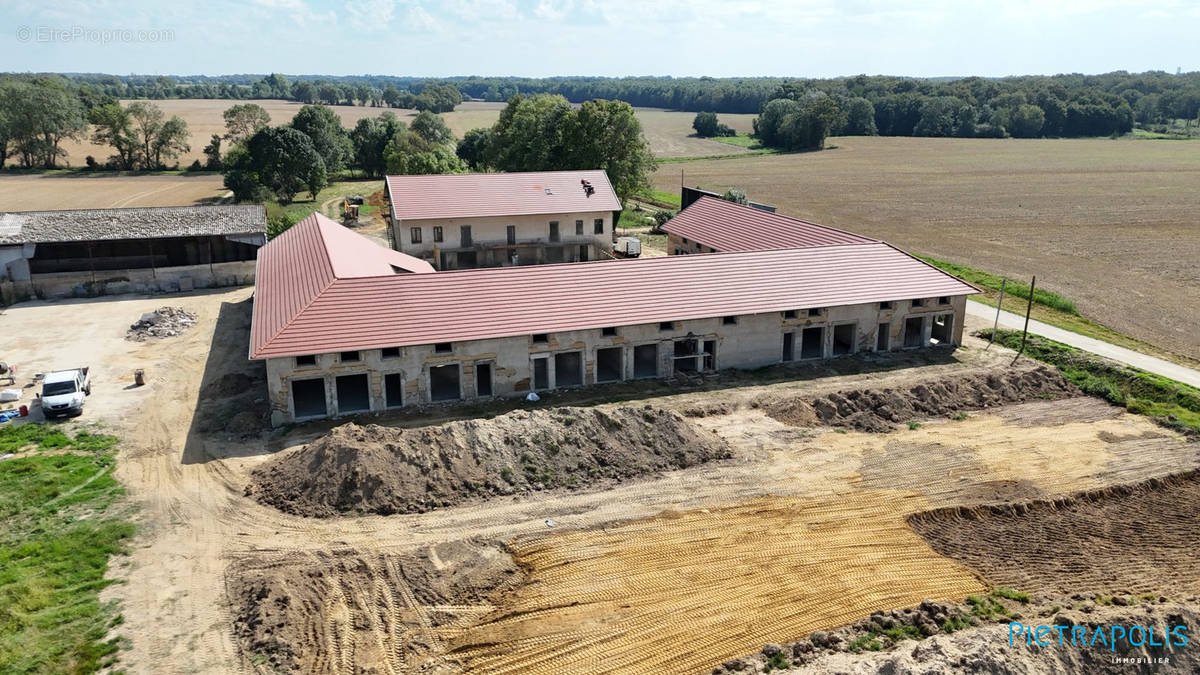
(163, 322)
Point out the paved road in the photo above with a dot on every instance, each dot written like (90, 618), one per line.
(1127, 356)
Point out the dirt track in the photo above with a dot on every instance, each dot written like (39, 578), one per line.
(198, 528)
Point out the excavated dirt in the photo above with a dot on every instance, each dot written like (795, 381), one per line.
(1122, 539)
(321, 612)
(384, 470)
(985, 647)
(879, 410)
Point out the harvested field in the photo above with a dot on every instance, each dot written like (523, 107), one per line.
(688, 590)
(1138, 538)
(374, 469)
(49, 192)
(338, 611)
(1109, 224)
(881, 409)
(669, 132)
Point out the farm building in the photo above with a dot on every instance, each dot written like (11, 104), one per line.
(107, 251)
(503, 219)
(346, 326)
(711, 225)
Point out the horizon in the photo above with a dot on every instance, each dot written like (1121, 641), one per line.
(818, 39)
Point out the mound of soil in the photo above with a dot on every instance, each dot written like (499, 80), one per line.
(1135, 538)
(347, 610)
(983, 645)
(878, 410)
(163, 322)
(375, 469)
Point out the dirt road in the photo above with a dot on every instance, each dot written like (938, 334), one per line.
(800, 530)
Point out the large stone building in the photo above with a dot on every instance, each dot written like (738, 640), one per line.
(460, 221)
(346, 326)
(49, 254)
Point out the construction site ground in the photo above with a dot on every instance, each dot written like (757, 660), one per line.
(805, 528)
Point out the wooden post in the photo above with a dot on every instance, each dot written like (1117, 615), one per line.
(999, 307)
(153, 271)
(1025, 332)
(91, 262)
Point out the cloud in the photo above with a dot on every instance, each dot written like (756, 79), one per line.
(370, 15)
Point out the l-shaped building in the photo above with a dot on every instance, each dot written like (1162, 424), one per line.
(348, 326)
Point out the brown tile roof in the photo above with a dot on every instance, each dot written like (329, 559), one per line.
(305, 261)
(476, 195)
(726, 226)
(302, 307)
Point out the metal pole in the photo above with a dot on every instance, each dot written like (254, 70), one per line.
(999, 306)
(1025, 332)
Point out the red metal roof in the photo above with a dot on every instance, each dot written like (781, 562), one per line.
(476, 195)
(306, 260)
(726, 226)
(301, 308)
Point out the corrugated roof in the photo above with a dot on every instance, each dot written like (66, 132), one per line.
(477, 195)
(726, 226)
(37, 227)
(298, 265)
(309, 311)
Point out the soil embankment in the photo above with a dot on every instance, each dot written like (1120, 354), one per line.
(880, 410)
(385, 470)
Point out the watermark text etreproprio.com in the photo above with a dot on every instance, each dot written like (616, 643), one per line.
(94, 35)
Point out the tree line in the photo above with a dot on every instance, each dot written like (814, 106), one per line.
(536, 133)
(38, 113)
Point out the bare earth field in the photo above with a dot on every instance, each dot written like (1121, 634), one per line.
(1110, 224)
(669, 132)
(47, 192)
(802, 529)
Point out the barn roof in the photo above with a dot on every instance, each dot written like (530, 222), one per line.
(725, 226)
(305, 305)
(477, 195)
(296, 267)
(37, 227)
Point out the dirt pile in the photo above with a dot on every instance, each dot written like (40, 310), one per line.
(1127, 538)
(163, 322)
(879, 410)
(375, 469)
(353, 611)
(234, 403)
(978, 642)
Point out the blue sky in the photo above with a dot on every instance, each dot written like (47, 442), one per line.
(814, 38)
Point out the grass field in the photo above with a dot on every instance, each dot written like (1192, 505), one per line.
(669, 132)
(1109, 224)
(58, 526)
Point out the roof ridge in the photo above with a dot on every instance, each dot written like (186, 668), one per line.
(316, 296)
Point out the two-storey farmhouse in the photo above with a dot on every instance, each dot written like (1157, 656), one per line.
(461, 221)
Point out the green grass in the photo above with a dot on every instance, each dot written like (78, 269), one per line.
(1010, 594)
(303, 206)
(1013, 287)
(1172, 403)
(865, 643)
(741, 141)
(914, 425)
(660, 197)
(777, 661)
(57, 531)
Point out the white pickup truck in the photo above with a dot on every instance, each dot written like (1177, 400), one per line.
(63, 392)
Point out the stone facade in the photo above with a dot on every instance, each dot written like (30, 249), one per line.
(513, 366)
(580, 237)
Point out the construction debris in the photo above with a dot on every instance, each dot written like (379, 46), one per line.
(163, 322)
